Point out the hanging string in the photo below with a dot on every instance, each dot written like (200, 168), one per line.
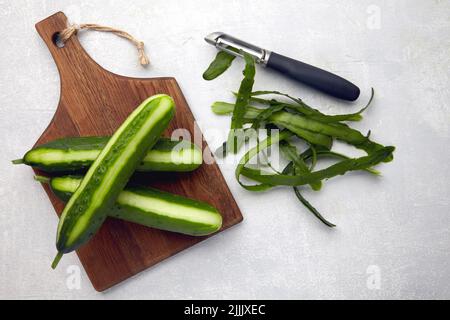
(74, 28)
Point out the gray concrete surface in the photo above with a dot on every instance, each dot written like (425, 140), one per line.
(393, 235)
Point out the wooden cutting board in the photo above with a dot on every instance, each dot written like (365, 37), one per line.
(94, 101)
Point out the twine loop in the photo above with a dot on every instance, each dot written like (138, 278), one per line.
(73, 29)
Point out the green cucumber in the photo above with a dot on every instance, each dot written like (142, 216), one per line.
(75, 154)
(109, 173)
(150, 207)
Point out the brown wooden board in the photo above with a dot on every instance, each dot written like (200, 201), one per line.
(94, 101)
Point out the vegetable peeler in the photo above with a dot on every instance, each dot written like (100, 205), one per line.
(314, 77)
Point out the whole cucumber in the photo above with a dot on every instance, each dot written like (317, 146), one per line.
(109, 173)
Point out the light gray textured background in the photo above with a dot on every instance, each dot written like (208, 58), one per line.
(397, 225)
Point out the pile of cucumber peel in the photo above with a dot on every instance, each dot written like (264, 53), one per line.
(287, 119)
(92, 175)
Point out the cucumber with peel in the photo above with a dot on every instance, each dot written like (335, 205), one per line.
(76, 154)
(109, 173)
(150, 207)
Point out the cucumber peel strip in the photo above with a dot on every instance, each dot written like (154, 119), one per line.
(266, 143)
(299, 164)
(242, 100)
(339, 168)
(311, 130)
(219, 65)
(306, 110)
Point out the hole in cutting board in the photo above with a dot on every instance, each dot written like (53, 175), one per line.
(56, 39)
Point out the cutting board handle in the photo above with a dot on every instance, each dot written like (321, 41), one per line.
(71, 59)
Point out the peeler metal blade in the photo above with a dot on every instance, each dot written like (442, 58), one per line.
(234, 46)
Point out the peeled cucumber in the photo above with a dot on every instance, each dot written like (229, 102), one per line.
(76, 154)
(109, 173)
(150, 207)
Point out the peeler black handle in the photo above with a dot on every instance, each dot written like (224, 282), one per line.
(314, 77)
